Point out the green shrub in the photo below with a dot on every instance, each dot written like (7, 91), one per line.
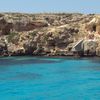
(13, 37)
(33, 33)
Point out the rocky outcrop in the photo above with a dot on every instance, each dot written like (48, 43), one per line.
(3, 48)
(98, 51)
(94, 25)
(90, 47)
(19, 24)
(23, 26)
(48, 34)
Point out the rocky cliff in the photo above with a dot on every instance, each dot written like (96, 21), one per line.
(47, 34)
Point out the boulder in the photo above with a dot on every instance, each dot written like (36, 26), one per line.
(90, 47)
(15, 50)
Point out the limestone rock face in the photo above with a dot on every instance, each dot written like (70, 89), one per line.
(46, 34)
(23, 26)
(94, 25)
(98, 51)
(3, 48)
(10, 23)
(90, 47)
(29, 47)
(5, 27)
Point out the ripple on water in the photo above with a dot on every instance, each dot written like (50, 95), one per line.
(33, 78)
(26, 76)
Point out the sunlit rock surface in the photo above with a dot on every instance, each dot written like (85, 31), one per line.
(47, 34)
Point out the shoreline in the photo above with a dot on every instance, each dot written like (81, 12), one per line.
(52, 56)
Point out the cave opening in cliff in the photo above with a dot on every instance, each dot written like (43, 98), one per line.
(94, 28)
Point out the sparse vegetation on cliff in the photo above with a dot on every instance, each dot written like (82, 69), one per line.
(44, 34)
(13, 37)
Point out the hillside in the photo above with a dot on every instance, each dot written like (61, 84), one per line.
(48, 34)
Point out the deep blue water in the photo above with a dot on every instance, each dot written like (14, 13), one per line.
(36, 78)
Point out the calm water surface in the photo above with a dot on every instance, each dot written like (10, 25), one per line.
(35, 78)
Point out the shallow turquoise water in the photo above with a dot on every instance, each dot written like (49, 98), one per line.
(34, 78)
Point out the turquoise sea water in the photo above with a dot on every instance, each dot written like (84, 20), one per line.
(36, 78)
